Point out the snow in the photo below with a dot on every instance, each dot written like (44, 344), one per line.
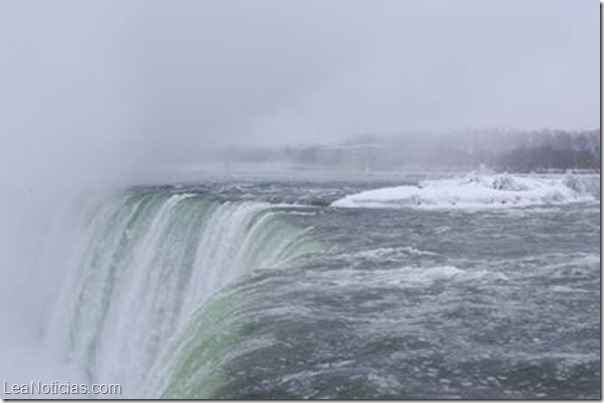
(473, 191)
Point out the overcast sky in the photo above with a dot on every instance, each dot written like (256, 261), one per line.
(113, 76)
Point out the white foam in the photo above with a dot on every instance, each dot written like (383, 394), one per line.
(474, 191)
(431, 274)
(406, 276)
(379, 254)
(566, 290)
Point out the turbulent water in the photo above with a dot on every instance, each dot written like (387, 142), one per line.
(258, 288)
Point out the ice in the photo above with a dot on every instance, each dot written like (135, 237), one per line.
(473, 191)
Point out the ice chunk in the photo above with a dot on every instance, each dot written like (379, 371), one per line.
(475, 190)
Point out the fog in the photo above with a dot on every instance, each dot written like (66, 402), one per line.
(94, 87)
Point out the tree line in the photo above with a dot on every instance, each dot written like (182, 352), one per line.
(502, 150)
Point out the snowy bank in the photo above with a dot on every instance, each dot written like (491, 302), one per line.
(474, 191)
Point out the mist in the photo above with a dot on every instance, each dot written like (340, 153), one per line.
(100, 93)
(104, 86)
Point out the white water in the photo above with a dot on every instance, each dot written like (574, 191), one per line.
(134, 269)
(474, 191)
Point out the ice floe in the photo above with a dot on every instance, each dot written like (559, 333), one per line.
(475, 190)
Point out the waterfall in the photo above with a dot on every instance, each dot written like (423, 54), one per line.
(144, 264)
